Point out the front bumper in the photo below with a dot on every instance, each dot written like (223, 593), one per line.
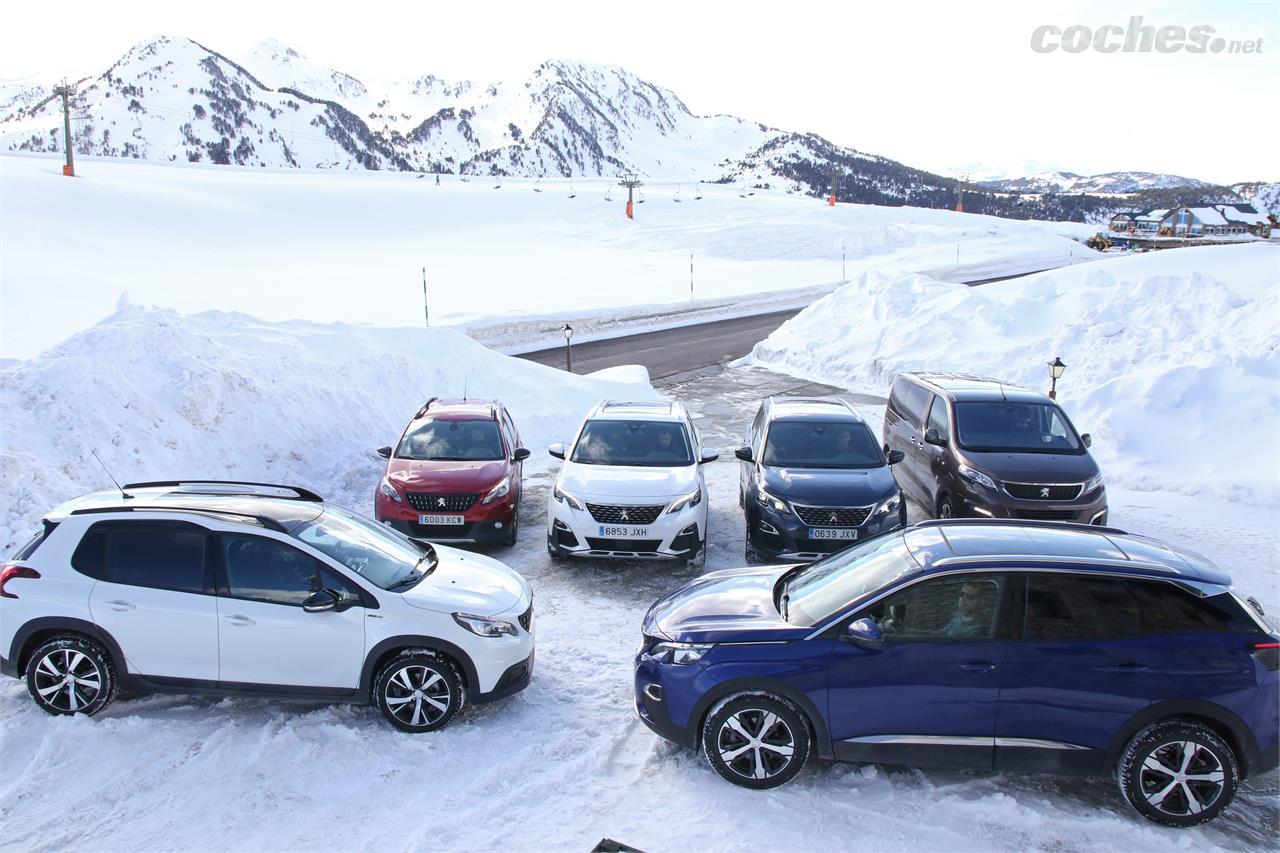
(655, 689)
(981, 502)
(513, 680)
(671, 536)
(483, 524)
(784, 536)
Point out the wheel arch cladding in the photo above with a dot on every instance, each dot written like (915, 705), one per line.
(817, 721)
(36, 631)
(1228, 726)
(392, 646)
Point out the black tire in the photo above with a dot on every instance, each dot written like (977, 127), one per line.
(554, 552)
(946, 507)
(749, 552)
(513, 532)
(1156, 766)
(773, 724)
(699, 560)
(92, 684)
(418, 691)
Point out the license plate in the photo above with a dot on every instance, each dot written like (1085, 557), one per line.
(624, 532)
(441, 519)
(849, 533)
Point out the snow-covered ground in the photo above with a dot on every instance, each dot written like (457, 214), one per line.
(1173, 357)
(352, 246)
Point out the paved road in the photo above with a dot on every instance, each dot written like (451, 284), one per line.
(672, 351)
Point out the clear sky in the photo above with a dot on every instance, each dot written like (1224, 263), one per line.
(938, 85)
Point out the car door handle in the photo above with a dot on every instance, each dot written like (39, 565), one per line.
(977, 666)
(241, 620)
(121, 606)
(1123, 666)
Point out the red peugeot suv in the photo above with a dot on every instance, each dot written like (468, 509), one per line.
(455, 474)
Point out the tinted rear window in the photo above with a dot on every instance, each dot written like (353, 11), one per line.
(1072, 607)
(1169, 610)
(156, 554)
(25, 552)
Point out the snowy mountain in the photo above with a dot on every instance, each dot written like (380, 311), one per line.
(1263, 195)
(1107, 183)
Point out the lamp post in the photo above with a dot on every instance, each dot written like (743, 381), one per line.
(568, 347)
(1056, 367)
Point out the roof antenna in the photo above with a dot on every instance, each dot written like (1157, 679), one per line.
(112, 479)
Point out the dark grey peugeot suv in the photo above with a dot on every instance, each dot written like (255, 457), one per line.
(979, 448)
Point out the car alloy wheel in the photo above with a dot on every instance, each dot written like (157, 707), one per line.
(418, 692)
(70, 675)
(1178, 773)
(756, 740)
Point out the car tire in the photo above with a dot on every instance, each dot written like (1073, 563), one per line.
(418, 691)
(513, 531)
(92, 674)
(554, 552)
(750, 554)
(1155, 768)
(946, 507)
(756, 740)
(699, 560)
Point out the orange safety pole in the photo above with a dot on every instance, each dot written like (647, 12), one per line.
(831, 199)
(630, 210)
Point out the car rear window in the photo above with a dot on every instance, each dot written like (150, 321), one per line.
(25, 552)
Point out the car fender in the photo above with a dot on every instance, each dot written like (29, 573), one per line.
(822, 734)
(21, 644)
(413, 641)
(1240, 737)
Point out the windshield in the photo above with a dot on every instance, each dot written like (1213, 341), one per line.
(815, 592)
(821, 445)
(381, 555)
(1003, 427)
(654, 444)
(452, 441)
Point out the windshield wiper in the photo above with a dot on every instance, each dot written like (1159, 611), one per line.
(413, 577)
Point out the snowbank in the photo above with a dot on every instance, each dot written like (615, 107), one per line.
(160, 395)
(1173, 357)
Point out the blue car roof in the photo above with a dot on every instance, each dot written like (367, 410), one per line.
(937, 546)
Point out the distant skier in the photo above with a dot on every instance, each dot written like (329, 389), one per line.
(437, 179)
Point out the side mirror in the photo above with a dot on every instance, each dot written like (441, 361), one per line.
(318, 602)
(865, 634)
(709, 454)
(932, 437)
(896, 456)
(556, 450)
(743, 453)
(521, 454)
(1087, 440)
(384, 451)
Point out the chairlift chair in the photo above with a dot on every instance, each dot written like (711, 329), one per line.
(572, 192)
(698, 197)
(640, 198)
(676, 197)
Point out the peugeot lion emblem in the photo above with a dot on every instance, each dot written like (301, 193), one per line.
(833, 518)
(1044, 492)
(624, 515)
(439, 501)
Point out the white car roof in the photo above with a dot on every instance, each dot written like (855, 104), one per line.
(648, 410)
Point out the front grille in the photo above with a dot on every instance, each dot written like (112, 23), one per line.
(610, 514)
(526, 618)
(832, 516)
(1046, 514)
(637, 545)
(423, 502)
(1043, 492)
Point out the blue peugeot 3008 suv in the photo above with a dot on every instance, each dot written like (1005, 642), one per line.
(1014, 645)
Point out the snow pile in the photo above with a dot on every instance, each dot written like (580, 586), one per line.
(160, 395)
(1173, 358)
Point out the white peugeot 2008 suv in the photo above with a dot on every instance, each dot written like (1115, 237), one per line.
(256, 590)
(631, 486)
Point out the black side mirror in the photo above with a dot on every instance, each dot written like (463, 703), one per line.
(318, 602)
(1087, 440)
(521, 454)
(385, 451)
(556, 450)
(896, 456)
(932, 437)
(743, 453)
(865, 634)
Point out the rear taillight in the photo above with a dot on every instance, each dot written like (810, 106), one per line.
(1267, 654)
(8, 573)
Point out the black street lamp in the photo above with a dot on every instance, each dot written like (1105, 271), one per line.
(568, 347)
(1056, 367)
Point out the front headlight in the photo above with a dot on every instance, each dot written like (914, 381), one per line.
(389, 490)
(484, 626)
(680, 653)
(973, 475)
(1094, 483)
(692, 499)
(767, 499)
(498, 491)
(564, 497)
(889, 505)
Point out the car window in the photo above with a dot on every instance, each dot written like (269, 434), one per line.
(938, 418)
(1014, 427)
(655, 444)
(452, 441)
(1169, 610)
(1062, 608)
(822, 589)
(513, 437)
(910, 400)
(261, 569)
(159, 555)
(965, 608)
(806, 444)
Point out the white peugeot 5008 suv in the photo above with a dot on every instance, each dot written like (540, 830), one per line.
(252, 589)
(632, 486)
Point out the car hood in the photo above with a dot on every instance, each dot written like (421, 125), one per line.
(627, 483)
(463, 582)
(725, 606)
(830, 486)
(421, 476)
(1035, 467)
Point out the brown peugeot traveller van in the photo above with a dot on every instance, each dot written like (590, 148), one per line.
(978, 448)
